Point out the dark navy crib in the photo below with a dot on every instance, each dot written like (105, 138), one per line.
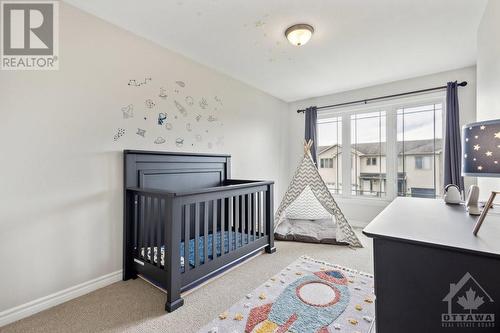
(185, 220)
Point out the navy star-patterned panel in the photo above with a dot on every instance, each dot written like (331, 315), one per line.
(481, 148)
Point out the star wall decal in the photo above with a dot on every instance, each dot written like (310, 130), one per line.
(482, 128)
(141, 132)
(477, 147)
(497, 135)
(489, 153)
(480, 168)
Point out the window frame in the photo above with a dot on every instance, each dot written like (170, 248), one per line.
(390, 107)
(371, 161)
(326, 163)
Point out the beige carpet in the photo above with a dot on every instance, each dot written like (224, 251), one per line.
(136, 306)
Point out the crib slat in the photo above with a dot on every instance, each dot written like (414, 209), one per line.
(249, 217)
(230, 223)
(140, 224)
(259, 216)
(254, 207)
(205, 232)
(151, 228)
(222, 221)
(243, 217)
(187, 222)
(264, 215)
(237, 204)
(196, 233)
(148, 228)
(158, 232)
(215, 203)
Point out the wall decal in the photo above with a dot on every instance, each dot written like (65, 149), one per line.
(198, 137)
(188, 127)
(176, 91)
(128, 111)
(212, 118)
(168, 126)
(163, 93)
(181, 109)
(189, 100)
(203, 103)
(159, 140)
(162, 117)
(180, 84)
(149, 103)
(137, 83)
(179, 142)
(198, 117)
(141, 132)
(259, 23)
(120, 132)
(218, 99)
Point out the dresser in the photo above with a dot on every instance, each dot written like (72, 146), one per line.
(431, 273)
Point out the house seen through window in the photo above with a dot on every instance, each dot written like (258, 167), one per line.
(404, 159)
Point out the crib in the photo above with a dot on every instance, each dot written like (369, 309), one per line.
(186, 220)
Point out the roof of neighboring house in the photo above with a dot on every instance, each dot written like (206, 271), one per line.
(415, 147)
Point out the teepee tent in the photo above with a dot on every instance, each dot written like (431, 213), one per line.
(308, 208)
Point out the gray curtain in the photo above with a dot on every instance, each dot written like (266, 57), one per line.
(452, 142)
(311, 118)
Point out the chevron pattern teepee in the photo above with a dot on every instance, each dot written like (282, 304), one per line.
(307, 175)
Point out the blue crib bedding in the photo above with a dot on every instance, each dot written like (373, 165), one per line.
(235, 237)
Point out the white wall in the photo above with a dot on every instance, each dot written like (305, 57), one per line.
(488, 78)
(351, 207)
(61, 197)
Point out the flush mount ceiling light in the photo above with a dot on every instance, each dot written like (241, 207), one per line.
(299, 34)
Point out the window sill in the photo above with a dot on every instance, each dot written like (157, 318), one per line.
(363, 200)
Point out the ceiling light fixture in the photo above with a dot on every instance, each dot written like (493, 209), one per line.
(299, 34)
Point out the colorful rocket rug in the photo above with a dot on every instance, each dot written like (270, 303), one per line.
(309, 296)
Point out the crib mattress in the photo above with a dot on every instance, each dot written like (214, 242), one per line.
(235, 237)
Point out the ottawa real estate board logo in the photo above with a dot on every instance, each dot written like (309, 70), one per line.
(469, 305)
(29, 35)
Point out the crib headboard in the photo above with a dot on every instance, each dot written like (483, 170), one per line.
(175, 172)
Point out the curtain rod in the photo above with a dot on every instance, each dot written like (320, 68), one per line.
(365, 101)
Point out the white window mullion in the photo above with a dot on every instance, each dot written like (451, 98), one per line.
(391, 154)
(346, 155)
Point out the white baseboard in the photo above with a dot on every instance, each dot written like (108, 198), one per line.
(46, 302)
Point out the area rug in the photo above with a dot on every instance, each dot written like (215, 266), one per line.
(307, 296)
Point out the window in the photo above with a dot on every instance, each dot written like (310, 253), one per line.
(419, 139)
(330, 152)
(368, 132)
(371, 161)
(387, 150)
(326, 163)
(423, 162)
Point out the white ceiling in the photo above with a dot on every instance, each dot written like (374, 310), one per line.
(357, 43)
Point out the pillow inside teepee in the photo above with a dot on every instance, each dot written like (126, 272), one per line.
(306, 207)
